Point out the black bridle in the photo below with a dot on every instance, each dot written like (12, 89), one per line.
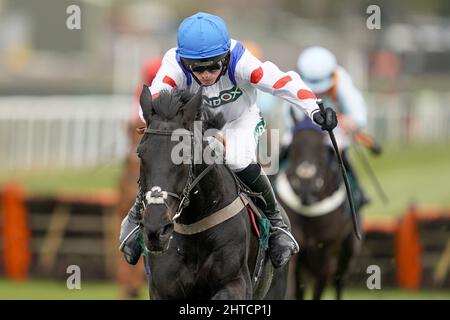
(158, 196)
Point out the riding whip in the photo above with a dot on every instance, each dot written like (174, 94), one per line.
(370, 171)
(344, 175)
(367, 141)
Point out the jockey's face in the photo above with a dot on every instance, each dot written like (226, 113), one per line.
(206, 72)
(208, 77)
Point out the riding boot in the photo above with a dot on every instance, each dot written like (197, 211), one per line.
(129, 232)
(281, 242)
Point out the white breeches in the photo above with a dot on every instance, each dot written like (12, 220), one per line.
(241, 138)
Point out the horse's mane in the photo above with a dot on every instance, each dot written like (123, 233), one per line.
(169, 103)
(211, 120)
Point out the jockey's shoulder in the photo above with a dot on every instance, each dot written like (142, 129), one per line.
(171, 53)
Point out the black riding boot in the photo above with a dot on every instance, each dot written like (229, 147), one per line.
(281, 242)
(129, 232)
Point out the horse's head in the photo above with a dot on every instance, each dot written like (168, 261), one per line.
(312, 167)
(165, 172)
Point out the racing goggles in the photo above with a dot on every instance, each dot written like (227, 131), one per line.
(213, 67)
(211, 64)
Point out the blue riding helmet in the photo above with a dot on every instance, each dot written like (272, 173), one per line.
(203, 36)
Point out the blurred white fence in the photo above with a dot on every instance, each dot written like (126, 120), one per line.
(76, 131)
(63, 131)
(409, 117)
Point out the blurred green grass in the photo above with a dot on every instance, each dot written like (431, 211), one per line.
(57, 290)
(75, 181)
(388, 294)
(409, 173)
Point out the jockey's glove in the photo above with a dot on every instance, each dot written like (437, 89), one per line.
(327, 119)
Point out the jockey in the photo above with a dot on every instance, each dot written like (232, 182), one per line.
(331, 83)
(230, 76)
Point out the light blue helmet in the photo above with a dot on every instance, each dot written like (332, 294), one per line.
(316, 66)
(202, 36)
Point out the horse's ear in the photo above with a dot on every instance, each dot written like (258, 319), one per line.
(192, 108)
(146, 103)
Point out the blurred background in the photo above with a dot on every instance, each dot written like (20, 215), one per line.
(68, 96)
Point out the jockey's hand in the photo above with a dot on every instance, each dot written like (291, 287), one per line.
(217, 142)
(327, 120)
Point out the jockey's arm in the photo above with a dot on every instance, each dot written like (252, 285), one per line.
(267, 77)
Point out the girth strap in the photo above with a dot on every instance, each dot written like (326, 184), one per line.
(213, 219)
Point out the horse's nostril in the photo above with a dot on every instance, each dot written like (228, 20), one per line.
(152, 236)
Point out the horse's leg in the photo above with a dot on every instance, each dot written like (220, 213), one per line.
(347, 251)
(323, 274)
(152, 292)
(236, 289)
(291, 279)
(300, 277)
(278, 286)
(319, 286)
(338, 286)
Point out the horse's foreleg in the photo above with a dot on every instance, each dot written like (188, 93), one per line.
(236, 289)
(338, 287)
(319, 286)
(153, 294)
(347, 251)
(324, 274)
(300, 281)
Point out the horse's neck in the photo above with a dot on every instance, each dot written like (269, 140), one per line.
(211, 193)
(333, 179)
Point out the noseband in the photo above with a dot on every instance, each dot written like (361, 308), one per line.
(158, 196)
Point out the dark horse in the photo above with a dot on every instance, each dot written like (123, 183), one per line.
(195, 225)
(313, 194)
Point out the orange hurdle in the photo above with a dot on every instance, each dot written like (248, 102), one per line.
(16, 233)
